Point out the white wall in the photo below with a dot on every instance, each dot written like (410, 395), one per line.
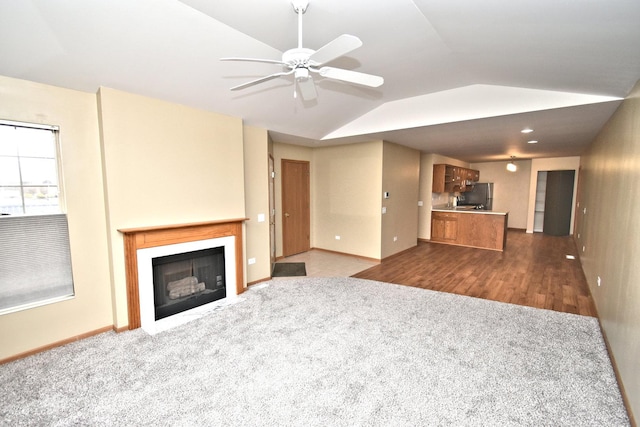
(510, 189)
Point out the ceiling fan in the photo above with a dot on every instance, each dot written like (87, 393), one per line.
(302, 62)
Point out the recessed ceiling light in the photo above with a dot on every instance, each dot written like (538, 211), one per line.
(533, 141)
(526, 130)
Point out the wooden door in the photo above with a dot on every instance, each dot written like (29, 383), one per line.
(296, 218)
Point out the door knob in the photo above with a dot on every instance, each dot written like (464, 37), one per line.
(286, 214)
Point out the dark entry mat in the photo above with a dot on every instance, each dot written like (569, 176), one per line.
(286, 269)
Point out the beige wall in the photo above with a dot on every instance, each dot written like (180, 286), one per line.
(346, 199)
(90, 309)
(165, 164)
(610, 234)
(400, 178)
(290, 152)
(256, 179)
(510, 189)
(551, 164)
(347, 183)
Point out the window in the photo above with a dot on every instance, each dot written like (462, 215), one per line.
(28, 170)
(35, 259)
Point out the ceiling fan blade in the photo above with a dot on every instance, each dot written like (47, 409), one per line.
(307, 88)
(261, 80)
(267, 61)
(351, 76)
(334, 49)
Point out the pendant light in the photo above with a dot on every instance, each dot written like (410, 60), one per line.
(511, 167)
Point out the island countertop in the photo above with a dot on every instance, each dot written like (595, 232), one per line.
(480, 229)
(466, 209)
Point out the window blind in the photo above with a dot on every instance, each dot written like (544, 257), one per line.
(35, 261)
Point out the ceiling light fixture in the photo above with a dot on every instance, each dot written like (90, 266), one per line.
(511, 167)
(533, 141)
(526, 130)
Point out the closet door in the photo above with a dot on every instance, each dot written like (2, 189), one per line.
(557, 202)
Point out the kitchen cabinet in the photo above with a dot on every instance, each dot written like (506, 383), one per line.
(444, 226)
(477, 229)
(452, 179)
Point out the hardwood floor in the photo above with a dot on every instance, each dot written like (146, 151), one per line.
(532, 271)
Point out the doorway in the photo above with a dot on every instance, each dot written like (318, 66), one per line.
(554, 197)
(557, 202)
(296, 216)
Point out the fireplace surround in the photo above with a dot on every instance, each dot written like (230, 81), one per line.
(143, 238)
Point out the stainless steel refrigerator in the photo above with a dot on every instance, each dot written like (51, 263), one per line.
(481, 195)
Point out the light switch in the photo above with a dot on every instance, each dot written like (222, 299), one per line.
(384, 210)
(260, 217)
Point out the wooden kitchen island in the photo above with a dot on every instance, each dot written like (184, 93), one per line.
(463, 226)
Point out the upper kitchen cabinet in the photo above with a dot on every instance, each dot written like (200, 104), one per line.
(452, 179)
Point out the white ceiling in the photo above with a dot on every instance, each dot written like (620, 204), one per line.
(462, 77)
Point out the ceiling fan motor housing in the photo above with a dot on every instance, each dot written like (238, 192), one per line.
(297, 57)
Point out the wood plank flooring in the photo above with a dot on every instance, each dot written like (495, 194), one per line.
(532, 271)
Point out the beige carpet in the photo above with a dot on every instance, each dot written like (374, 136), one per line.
(338, 352)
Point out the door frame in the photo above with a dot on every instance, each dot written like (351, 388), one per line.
(272, 211)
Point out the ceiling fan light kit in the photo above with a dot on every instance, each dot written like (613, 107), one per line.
(301, 62)
(511, 167)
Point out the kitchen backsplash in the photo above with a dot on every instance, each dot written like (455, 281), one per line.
(441, 198)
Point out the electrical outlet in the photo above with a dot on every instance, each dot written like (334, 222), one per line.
(337, 237)
(252, 261)
(384, 210)
(420, 203)
(395, 238)
(599, 281)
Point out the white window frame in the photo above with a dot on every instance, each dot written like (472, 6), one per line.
(61, 252)
(56, 132)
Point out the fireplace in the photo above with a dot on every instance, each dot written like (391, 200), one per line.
(181, 282)
(187, 280)
(177, 273)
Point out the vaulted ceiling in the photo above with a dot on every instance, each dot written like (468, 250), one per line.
(462, 78)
